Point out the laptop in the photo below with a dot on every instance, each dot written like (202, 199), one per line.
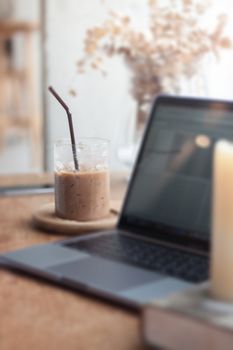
(161, 242)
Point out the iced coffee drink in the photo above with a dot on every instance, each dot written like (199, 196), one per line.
(82, 194)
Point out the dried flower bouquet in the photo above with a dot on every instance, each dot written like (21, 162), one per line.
(172, 48)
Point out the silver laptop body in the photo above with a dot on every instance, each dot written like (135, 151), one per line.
(161, 242)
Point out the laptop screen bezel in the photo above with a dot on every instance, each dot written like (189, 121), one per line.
(157, 231)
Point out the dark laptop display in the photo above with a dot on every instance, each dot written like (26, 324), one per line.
(170, 193)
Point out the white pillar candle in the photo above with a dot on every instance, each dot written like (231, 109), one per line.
(222, 223)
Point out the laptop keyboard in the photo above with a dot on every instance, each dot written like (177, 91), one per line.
(169, 261)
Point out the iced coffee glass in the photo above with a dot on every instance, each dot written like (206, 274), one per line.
(82, 194)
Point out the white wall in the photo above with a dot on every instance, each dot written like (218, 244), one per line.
(220, 73)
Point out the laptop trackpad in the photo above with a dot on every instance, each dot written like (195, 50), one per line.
(105, 274)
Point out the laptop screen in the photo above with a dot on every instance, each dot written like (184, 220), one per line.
(169, 196)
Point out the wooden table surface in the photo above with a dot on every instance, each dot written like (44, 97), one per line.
(35, 314)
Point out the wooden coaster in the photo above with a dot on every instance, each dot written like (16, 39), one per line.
(46, 219)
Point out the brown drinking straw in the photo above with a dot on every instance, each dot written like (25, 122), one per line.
(64, 105)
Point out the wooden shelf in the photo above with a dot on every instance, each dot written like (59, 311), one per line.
(10, 28)
(18, 104)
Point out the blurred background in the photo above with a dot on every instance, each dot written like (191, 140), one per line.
(108, 60)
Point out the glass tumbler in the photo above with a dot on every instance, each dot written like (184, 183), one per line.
(82, 194)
